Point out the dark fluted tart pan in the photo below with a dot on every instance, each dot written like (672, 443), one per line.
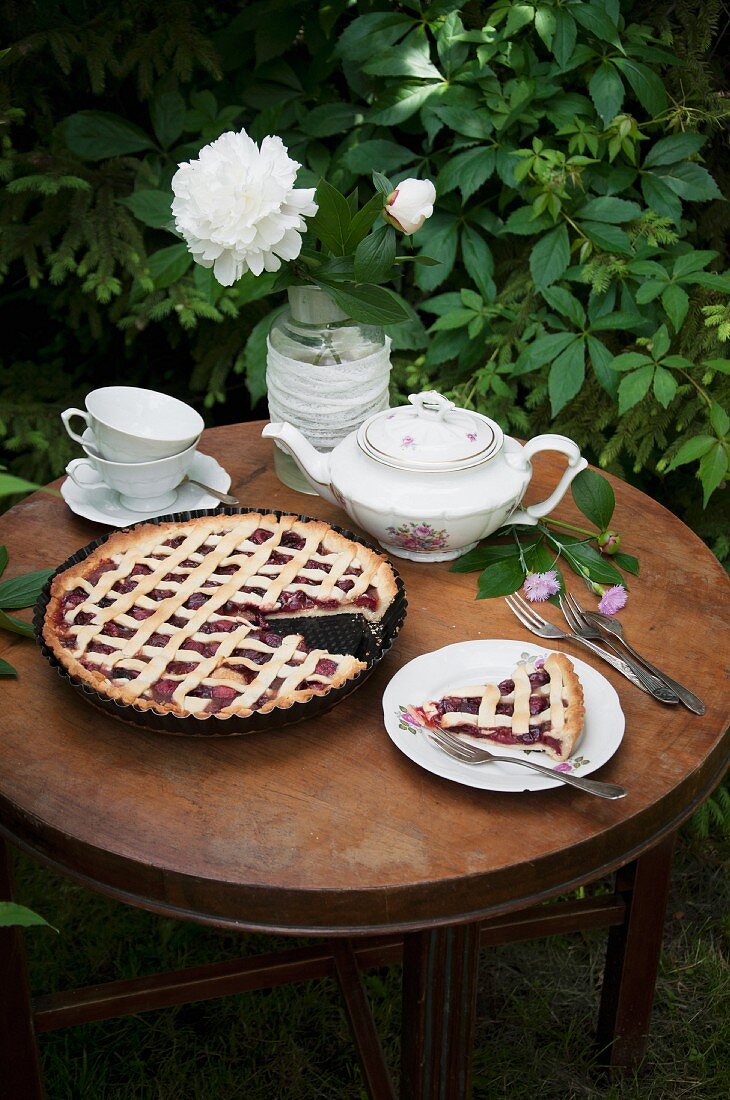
(346, 633)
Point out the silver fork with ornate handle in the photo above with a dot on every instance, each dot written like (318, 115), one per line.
(584, 629)
(605, 624)
(470, 754)
(537, 625)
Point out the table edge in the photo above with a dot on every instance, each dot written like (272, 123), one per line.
(167, 909)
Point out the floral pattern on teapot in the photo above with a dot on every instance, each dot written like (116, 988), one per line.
(418, 536)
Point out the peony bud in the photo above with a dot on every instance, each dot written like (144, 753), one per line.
(410, 204)
(609, 542)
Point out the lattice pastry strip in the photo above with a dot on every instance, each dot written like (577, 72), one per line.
(168, 615)
(540, 706)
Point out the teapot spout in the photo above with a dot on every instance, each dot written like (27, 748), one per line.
(314, 465)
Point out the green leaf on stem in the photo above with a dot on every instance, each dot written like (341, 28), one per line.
(596, 19)
(647, 85)
(719, 419)
(601, 358)
(15, 626)
(594, 497)
(371, 305)
(550, 257)
(713, 467)
(24, 590)
(13, 914)
(566, 375)
(665, 386)
(486, 554)
(541, 351)
(502, 578)
(360, 158)
(627, 562)
(676, 303)
(598, 567)
(375, 254)
(564, 37)
(607, 91)
(152, 208)
(331, 223)
(363, 221)
(609, 238)
(478, 261)
(467, 171)
(9, 485)
(564, 302)
(7, 669)
(96, 135)
(674, 148)
(634, 387)
(691, 450)
(382, 184)
(167, 265)
(3, 558)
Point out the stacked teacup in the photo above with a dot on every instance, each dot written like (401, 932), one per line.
(139, 442)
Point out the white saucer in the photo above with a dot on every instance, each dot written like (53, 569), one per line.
(104, 505)
(442, 671)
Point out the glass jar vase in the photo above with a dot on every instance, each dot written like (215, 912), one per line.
(325, 374)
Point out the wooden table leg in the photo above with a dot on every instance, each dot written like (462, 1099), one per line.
(632, 958)
(20, 1074)
(439, 1009)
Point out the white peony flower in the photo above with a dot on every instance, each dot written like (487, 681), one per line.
(410, 204)
(237, 207)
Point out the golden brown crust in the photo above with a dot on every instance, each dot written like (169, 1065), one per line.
(561, 672)
(127, 548)
(575, 713)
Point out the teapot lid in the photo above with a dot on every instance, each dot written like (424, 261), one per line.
(430, 434)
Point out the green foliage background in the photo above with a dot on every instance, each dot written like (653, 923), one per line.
(577, 151)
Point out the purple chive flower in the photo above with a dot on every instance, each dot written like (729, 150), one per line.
(613, 600)
(538, 586)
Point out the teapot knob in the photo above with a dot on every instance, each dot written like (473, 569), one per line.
(431, 405)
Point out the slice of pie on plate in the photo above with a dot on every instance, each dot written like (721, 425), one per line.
(539, 707)
(181, 617)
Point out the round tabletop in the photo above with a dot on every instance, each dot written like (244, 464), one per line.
(324, 827)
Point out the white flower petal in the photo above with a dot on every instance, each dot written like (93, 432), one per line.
(237, 208)
(411, 203)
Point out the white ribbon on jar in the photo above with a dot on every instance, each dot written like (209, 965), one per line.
(327, 401)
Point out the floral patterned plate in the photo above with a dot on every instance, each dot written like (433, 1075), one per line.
(444, 670)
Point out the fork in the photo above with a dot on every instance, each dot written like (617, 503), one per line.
(578, 622)
(543, 629)
(604, 623)
(470, 754)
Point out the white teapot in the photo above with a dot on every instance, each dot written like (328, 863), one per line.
(428, 480)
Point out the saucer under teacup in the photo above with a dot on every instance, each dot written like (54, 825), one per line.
(104, 505)
(142, 486)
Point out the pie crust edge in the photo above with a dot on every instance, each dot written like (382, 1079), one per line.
(121, 541)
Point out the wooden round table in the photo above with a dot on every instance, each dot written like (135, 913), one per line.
(325, 829)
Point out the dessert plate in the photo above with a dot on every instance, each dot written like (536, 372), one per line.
(443, 671)
(104, 505)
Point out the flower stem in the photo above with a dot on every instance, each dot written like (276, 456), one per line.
(572, 527)
(523, 563)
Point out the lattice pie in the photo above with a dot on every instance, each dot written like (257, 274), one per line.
(539, 707)
(177, 617)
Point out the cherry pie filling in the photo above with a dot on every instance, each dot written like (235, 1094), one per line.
(538, 732)
(245, 611)
(293, 598)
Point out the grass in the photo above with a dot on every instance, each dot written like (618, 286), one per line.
(536, 1009)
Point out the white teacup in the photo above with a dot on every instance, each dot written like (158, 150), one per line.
(136, 425)
(142, 486)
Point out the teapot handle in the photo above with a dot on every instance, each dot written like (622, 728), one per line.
(529, 516)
